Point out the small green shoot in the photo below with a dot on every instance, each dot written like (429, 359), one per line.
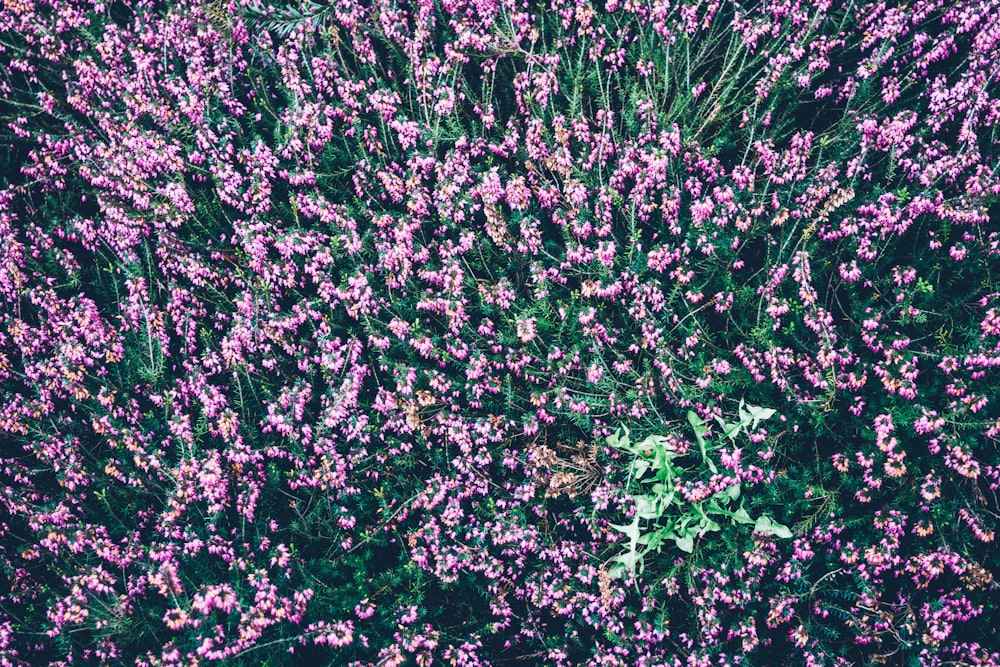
(662, 513)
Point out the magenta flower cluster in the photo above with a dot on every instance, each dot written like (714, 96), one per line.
(315, 318)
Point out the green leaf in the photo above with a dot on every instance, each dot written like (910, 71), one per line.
(661, 449)
(663, 490)
(685, 543)
(768, 526)
(631, 557)
(731, 431)
(745, 417)
(698, 425)
(653, 540)
(631, 530)
(709, 526)
(646, 507)
(630, 561)
(759, 414)
(655, 441)
(699, 435)
(667, 473)
(713, 507)
(781, 530)
(619, 439)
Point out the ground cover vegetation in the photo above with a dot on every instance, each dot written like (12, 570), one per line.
(499, 332)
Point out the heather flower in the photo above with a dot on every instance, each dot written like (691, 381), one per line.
(175, 619)
(317, 294)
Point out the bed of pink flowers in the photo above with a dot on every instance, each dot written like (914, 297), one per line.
(320, 322)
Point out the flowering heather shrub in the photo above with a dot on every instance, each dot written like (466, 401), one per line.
(316, 319)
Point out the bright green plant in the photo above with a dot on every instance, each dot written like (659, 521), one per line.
(663, 513)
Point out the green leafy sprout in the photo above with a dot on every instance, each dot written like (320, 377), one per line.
(662, 513)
